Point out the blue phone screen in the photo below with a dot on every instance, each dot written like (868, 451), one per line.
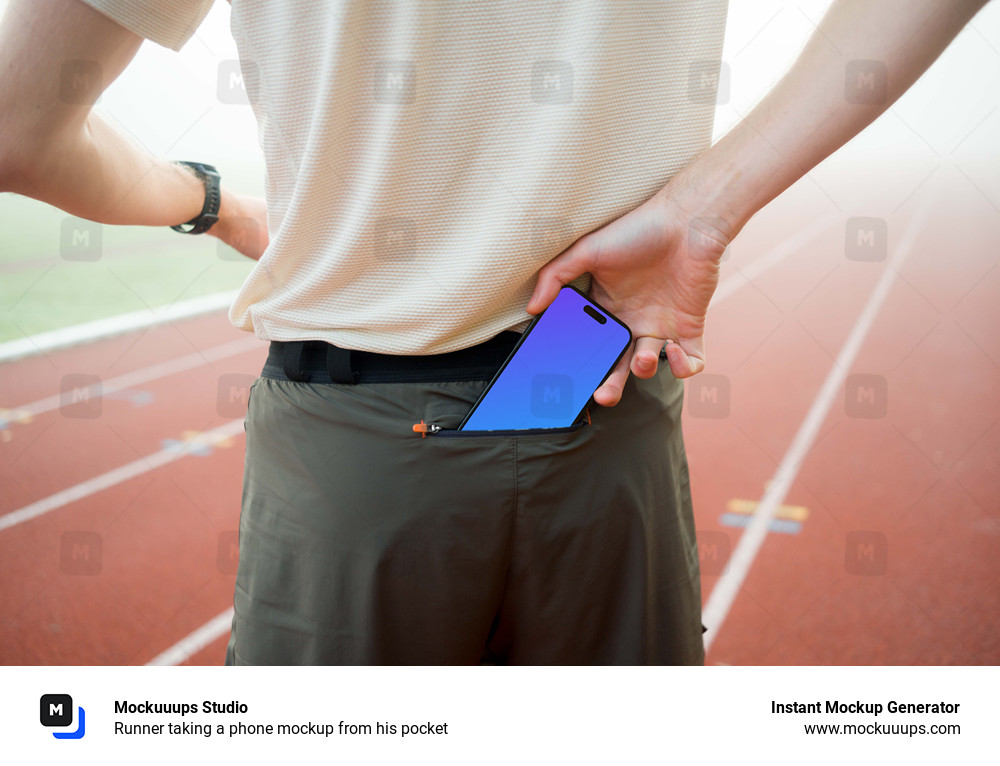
(560, 363)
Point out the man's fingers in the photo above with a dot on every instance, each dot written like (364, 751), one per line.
(645, 356)
(562, 269)
(642, 357)
(609, 393)
(684, 364)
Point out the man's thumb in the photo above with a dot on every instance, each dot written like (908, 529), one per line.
(562, 269)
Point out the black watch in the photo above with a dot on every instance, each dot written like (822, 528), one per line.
(204, 221)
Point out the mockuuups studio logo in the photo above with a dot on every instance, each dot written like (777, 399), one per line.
(395, 81)
(714, 549)
(866, 396)
(231, 88)
(234, 394)
(708, 396)
(866, 82)
(395, 238)
(552, 82)
(56, 710)
(551, 395)
(866, 239)
(708, 82)
(80, 81)
(80, 240)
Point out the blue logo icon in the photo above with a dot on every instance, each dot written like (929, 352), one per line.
(551, 396)
(57, 710)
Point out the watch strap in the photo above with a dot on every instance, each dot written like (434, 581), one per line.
(210, 179)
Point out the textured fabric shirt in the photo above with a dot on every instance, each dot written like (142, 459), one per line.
(425, 159)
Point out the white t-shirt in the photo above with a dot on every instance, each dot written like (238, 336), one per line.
(425, 159)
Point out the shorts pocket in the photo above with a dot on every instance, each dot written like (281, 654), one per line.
(454, 433)
(442, 431)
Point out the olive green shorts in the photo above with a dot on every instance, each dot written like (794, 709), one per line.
(364, 542)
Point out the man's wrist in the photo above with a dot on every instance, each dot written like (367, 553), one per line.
(711, 190)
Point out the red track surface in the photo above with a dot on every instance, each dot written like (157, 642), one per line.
(924, 475)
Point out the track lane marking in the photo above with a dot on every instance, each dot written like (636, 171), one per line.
(30, 345)
(194, 642)
(118, 475)
(764, 263)
(146, 374)
(747, 507)
(728, 585)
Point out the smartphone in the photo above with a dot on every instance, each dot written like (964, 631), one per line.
(561, 359)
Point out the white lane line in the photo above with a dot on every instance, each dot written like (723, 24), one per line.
(144, 375)
(754, 534)
(116, 325)
(196, 641)
(119, 475)
(789, 246)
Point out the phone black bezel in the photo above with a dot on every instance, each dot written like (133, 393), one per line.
(524, 336)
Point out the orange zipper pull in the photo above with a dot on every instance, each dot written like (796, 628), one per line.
(423, 429)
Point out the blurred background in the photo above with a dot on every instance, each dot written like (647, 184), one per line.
(844, 442)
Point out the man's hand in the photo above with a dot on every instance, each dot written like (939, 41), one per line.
(242, 224)
(656, 269)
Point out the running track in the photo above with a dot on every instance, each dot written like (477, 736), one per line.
(877, 532)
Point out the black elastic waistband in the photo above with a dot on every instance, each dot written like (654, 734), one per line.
(314, 361)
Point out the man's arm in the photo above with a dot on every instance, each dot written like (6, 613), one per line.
(646, 266)
(830, 95)
(63, 153)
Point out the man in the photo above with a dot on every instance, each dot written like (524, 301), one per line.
(436, 172)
